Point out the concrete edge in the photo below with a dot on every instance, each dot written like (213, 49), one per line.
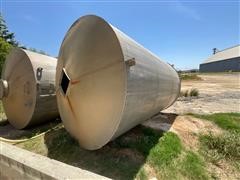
(22, 164)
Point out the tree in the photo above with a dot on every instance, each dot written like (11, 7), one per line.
(5, 47)
(7, 41)
(9, 37)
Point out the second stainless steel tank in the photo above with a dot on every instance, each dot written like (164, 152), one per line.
(107, 83)
(27, 88)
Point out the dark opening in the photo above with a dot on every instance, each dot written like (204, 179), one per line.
(65, 82)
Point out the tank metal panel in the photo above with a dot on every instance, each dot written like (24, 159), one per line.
(152, 85)
(95, 114)
(31, 98)
(45, 70)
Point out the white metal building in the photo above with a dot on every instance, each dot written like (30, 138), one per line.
(222, 61)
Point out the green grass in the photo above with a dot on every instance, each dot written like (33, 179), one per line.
(193, 166)
(120, 159)
(172, 160)
(168, 148)
(227, 121)
(190, 76)
(125, 157)
(35, 145)
(131, 155)
(141, 143)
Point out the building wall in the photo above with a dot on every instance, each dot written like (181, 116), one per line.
(232, 64)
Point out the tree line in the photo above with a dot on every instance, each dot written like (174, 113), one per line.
(8, 41)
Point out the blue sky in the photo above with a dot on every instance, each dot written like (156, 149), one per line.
(180, 32)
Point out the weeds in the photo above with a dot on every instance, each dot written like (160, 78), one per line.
(226, 145)
(190, 77)
(184, 93)
(192, 93)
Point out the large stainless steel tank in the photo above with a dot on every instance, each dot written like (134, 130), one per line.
(107, 83)
(27, 88)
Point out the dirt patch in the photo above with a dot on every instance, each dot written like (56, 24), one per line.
(151, 172)
(217, 93)
(187, 127)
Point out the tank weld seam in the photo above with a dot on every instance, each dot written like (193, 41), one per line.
(57, 89)
(77, 80)
(71, 107)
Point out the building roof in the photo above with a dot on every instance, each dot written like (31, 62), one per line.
(228, 53)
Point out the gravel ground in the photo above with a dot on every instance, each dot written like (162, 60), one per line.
(217, 93)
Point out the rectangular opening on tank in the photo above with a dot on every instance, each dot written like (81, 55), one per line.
(64, 82)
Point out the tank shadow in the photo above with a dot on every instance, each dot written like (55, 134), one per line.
(9, 132)
(121, 158)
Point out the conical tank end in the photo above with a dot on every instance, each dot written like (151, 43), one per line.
(18, 88)
(91, 82)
